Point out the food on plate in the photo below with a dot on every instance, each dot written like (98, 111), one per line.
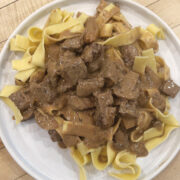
(96, 85)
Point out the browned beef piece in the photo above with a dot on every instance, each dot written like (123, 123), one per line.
(150, 79)
(104, 115)
(128, 108)
(128, 86)
(79, 104)
(104, 98)
(69, 140)
(121, 140)
(128, 54)
(111, 72)
(24, 101)
(143, 98)
(64, 86)
(52, 70)
(92, 52)
(96, 54)
(72, 69)
(52, 52)
(129, 122)
(139, 149)
(87, 87)
(91, 30)
(170, 88)
(95, 66)
(94, 143)
(37, 76)
(55, 137)
(28, 113)
(73, 44)
(45, 121)
(43, 92)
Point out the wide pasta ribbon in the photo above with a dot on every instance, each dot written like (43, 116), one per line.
(147, 59)
(4, 95)
(123, 39)
(156, 31)
(81, 161)
(148, 40)
(166, 119)
(102, 157)
(126, 163)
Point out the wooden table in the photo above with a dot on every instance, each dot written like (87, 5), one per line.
(13, 12)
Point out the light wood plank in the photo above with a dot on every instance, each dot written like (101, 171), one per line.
(146, 2)
(1, 144)
(1, 45)
(9, 170)
(4, 3)
(168, 10)
(177, 31)
(25, 177)
(14, 14)
(172, 171)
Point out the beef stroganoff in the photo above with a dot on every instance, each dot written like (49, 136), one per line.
(96, 85)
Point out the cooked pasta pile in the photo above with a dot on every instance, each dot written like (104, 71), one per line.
(96, 84)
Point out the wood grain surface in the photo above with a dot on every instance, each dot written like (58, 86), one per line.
(13, 12)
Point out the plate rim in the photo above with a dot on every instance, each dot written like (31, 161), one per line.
(12, 151)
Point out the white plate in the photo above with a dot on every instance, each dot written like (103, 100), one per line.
(31, 146)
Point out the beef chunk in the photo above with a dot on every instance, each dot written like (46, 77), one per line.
(143, 98)
(128, 86)
(105, 117)
(43, 92)
(72, 69)
(111, 71)
(24, 101)
(139, 149)
(73, 44)
(87, 87)
(91, 30)
(52, 52)
(128, 108)
(121, 140)
(129, 122)
(92, 52)
(64, 86)
(95, 53)
(128, 54)
(150, 79)
(45, 121)
(54, 136)
(37, 76)
(170, 88)
(52, 70)
(104, 98)
(80, 104)
(95, 65)
(70, 141)
(28, 113)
